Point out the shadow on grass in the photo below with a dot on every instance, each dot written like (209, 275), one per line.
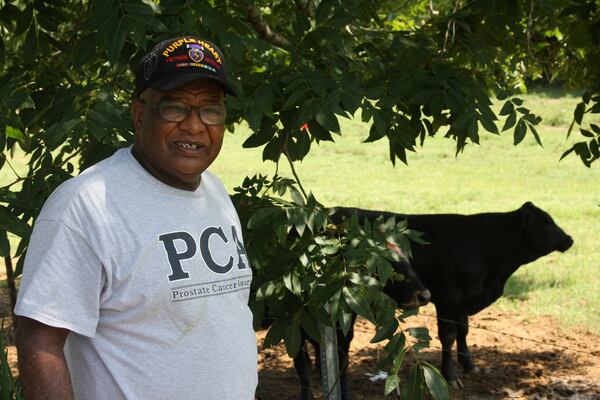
(554, 92)
(518, 287)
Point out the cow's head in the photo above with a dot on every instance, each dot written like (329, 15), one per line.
(542, 232)
(406, 288)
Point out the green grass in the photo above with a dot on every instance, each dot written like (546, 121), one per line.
(494, 176)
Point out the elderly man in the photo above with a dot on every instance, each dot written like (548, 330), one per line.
(136, 281)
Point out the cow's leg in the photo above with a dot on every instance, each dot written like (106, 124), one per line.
(464, 356)
(302, 365)
(447, 335)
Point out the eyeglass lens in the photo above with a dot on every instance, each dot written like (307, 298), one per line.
(176, 111)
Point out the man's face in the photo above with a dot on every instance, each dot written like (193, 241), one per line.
(177, 153)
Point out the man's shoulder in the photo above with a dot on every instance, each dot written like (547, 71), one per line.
(210, 179)
(88, 186)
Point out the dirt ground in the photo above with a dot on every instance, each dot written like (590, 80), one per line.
(519, 358)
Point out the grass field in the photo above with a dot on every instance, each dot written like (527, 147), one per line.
(494, 176)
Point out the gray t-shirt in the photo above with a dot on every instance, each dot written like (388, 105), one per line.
(152, 281)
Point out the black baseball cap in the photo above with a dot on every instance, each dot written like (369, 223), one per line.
(175, 62)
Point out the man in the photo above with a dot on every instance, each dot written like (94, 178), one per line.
(136, 267)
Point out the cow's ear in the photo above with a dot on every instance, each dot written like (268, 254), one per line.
(527, 205)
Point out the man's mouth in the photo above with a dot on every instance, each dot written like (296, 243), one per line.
(188, 146)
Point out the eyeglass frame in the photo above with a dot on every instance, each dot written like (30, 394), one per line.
(198, 109)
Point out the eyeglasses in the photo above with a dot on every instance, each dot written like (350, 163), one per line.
(176, 111)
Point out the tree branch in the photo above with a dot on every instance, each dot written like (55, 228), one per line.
(432, 11)
(307, 7)
(254, 16)
(450, 29)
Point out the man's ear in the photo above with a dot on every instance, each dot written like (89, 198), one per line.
(137, 114)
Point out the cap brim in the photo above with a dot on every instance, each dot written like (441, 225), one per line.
(171, 83)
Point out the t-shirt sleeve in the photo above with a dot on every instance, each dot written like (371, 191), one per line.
(62, 279)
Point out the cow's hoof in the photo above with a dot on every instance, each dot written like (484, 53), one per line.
(457, 384)
(474, 370)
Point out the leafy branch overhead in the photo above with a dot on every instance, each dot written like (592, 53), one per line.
(409, 69)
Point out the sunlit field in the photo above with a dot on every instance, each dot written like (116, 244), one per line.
(493, 176)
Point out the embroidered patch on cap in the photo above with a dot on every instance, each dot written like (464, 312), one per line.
(196, 54)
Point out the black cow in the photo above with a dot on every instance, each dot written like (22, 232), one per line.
(468, 261)
(408, 293)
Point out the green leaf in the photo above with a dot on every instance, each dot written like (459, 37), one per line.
(301, 24)
(272, 150)
(384, 269)
(116, 39)
(472, 131)
(15, 133)
(520, 131)
(345, 321)
(420, 333)
(414, 386)
(20, 99)
(292, 339)
(566, 153)
(310, 325)
(276, 332)
(11, 223)
(435, 382)
(586, 133)
(328, 120)
(47, 22)
(488, 124)
(424, 97)
(138, 35)
(394, 346)
(292, 283)
(380, 123)
(507, 108)
(391, 383)
(295, 99)
(463, 120)
(420, 346)
(319, 133)
(259, 138)
(30, 47)
(23, 18)
(298, 145)
(595, 148)
(323, 11)
(262, 217)
(579, 111)
(322, 293)
(55, 134)
(535, 134)
(137, 8)
(511, 120)
(355, 299)
(297, 197)
(385, 331)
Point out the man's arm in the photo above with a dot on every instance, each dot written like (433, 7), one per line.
(42, 366)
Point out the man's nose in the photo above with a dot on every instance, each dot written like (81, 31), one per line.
(193, 123)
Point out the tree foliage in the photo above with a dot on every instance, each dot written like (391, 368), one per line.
(410, 69)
